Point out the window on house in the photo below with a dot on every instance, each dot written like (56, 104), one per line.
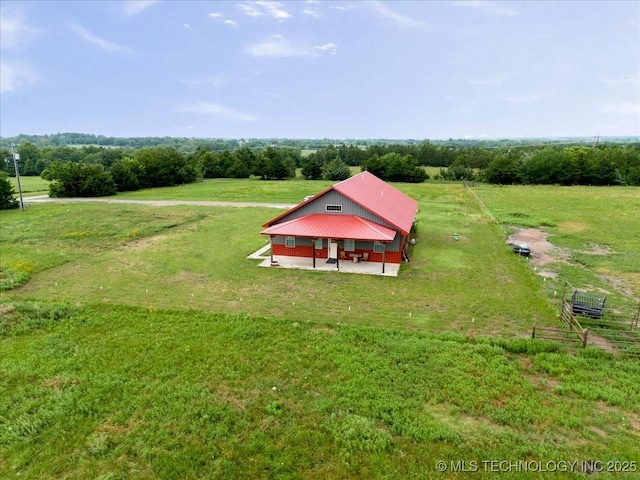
(333, 208)
(378, 247)
(290, 242)
(318, 243)
(349, 245)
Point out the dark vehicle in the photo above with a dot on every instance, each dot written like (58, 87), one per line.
(522, 249)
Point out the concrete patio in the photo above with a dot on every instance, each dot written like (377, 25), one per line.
(346, 266)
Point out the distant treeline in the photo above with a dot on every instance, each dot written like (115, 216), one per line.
(92, 170)
(188, 145)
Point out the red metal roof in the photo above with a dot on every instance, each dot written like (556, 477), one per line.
(381, 199)
(375, 195)
(319, 225)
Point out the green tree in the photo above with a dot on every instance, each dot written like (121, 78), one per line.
(335, 170)
(246, 156)
(546, 166)
(312, 168)
(164, 166)
(127, 174)
(458, 171)
(403, 168)
(76, 179)
(505, 169)
(276, 166)
(375, 165)
(7, 199)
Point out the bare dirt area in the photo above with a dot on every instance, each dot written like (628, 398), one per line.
(542, 251)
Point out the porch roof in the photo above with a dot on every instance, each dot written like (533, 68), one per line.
(317, 225)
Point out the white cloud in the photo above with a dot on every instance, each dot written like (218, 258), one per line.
(528, 98)
(95, 40)
(14, 75)
(222, 18)
(14, 29)
(278, 47)
(263, 8)
(383, 10)
(495, 8)
(311, 9)
(330, 48)
(215, 81)
(217, 110)
(134, 7)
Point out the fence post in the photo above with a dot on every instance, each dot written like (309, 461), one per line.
(584, 337)
(533, 333)
(571, 320)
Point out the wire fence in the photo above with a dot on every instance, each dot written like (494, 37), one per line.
(613, 329)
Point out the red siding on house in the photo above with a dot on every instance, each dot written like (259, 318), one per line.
(307, 251)
(298, 251)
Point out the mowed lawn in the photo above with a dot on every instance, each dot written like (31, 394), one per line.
(140, 342)
(195, 257)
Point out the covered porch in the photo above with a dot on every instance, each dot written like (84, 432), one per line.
(330, 242)
(307, 263)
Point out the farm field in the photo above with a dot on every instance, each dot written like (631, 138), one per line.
(595, 230)
(185, 256)
(140, 342)
(31, 185)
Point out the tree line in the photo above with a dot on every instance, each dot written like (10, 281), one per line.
(97, 170)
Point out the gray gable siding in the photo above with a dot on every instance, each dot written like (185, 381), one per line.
(318, 205)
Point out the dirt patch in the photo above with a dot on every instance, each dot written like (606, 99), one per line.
(601, 342)
(542, 251)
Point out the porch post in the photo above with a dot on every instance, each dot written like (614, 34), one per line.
(271, 240)
(338, 254)
(314, 252)
(384, 249)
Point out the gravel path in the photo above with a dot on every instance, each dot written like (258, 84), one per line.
(160, 203)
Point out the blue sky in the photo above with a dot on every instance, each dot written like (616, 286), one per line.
(322, 69)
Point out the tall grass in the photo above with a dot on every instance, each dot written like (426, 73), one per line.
(115, 392)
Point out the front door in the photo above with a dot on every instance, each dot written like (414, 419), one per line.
(333, 248)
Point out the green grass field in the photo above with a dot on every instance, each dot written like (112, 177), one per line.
(31, 186)
(115, 392)
(138, 342)
(175, 257)
(596, 228)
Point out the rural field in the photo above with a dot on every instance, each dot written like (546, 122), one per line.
(31, 186)
(139, 341)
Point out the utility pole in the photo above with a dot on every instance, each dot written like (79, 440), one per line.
(16, 157)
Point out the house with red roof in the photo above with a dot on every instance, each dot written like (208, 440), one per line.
(362, 218)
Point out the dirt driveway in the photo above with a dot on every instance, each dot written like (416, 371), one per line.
(160, 203)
